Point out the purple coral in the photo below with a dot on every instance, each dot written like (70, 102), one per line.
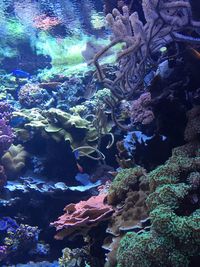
(5, 111)
(3, 252)
(3, 177)
(6, 136)
(140, 111)
(31, 95)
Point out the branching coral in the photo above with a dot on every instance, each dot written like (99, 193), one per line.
(165, 22)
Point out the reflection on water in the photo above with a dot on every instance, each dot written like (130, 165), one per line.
(34, 34)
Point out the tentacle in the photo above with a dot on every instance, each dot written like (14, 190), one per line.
(101, 155)
(179, 37)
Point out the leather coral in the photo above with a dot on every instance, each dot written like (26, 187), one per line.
(81, 217)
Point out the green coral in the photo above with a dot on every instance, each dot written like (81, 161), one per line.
(125, 180)
(175, 233)
(58, 125)
(168, 194)
(149, 250)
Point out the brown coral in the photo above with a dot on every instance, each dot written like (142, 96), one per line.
(14, 160)
(192, 130)
(140, 111)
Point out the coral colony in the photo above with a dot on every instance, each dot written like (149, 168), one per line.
(100, 133)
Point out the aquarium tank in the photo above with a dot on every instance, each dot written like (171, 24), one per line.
(99, 133)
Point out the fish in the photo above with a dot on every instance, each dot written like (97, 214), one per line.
(21, 74)
(195, 53)
(77, 156)
(80, 168)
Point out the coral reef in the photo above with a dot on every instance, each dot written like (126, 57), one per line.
(164, 23)
(19, 239)
(172, 185)
(101, 128)
(57, 124)
(73, 257)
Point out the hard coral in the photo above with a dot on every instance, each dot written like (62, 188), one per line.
(31, 95)
(132, 212)
(5, 111)
(140, 111)
(81, 217)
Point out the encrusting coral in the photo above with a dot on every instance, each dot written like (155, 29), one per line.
(174, 237)
(125, 180)
(128, 193)
(140, 112)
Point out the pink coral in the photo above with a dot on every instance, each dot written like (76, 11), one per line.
(82, 216)
(45, 22)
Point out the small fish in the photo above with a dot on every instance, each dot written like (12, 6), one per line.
(80, 168)
(21, 74)
(195, 53)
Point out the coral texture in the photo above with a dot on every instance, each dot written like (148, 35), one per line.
(3, 177)
(14, 160)
(174, 206)
(5, 111)
(82, 216)
(140, 111)
(165, 21)
(31, 95)
(6, 136)
(125, 180)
